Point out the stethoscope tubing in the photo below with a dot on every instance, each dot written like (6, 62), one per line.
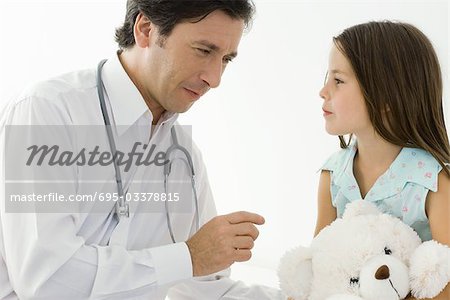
(122, 208)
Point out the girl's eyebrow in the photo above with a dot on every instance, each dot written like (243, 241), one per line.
(335, 71)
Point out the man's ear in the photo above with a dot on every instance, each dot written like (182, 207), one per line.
(142, 30)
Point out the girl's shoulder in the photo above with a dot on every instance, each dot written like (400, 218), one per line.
(417, 159)
(417, 166)
(411, 165)
(339, 159)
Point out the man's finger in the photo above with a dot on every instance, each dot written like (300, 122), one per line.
(245, 229)
(244, 216)
(242, 255)
(243, 243)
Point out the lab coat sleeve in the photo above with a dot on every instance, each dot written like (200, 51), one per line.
(47, 260)
(218, 285)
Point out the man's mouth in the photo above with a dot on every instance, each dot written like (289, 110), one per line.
(195, 95)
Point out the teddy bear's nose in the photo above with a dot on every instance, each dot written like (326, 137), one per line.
(382, 273)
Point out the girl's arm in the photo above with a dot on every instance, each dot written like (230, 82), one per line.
(326, 211)
(438, 212)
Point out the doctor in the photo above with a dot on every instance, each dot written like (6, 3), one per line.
(171, 53)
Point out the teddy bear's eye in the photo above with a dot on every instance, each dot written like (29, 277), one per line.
(354, 281)
(387, 251)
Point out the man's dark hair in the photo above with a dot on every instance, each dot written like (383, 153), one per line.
(167, 13)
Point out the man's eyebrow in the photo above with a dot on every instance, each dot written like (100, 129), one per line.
(215, 48)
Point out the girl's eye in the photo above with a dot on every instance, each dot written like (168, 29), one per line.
(387, 251)
(338, 81)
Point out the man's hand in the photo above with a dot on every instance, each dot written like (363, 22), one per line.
(223, 241)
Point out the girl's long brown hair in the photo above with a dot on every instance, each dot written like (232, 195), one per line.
(400, 77)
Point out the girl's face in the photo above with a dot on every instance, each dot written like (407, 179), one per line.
(344, 108)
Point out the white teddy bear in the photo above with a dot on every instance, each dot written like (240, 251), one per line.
(365, 255)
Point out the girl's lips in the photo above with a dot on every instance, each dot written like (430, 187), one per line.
(326, 113)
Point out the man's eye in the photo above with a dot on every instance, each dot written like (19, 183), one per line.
(227, 60)
(203, 51)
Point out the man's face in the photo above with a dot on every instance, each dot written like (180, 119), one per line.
(182, 67)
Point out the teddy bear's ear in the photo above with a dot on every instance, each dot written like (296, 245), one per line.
(429, 269)
(295, 273)
(359, 208)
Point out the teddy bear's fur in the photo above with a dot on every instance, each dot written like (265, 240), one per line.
(364, 255)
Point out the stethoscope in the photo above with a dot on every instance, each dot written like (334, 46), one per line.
(122, 209)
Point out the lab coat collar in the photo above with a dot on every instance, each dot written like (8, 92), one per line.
(127, 103)
(411, 165)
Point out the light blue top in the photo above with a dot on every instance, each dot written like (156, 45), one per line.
(401, 191)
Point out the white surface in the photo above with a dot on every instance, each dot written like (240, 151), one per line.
(262, 131)
(253, 274)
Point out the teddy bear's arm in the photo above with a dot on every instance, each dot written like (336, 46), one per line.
(445, 295)
(438, 212)
(442, 296)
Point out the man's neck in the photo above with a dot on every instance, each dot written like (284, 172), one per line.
(129, 64)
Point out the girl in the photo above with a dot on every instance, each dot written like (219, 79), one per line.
(384, 90)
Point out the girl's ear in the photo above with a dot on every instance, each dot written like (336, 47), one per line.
(295, 273)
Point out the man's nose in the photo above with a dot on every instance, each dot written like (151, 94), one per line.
(213, 74)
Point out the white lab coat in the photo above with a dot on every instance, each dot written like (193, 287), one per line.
(84, 255)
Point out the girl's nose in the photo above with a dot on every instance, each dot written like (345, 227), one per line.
(323, 93)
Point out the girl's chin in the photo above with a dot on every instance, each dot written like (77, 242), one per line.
(332, 131)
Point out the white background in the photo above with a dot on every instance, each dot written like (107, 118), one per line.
(261, 132)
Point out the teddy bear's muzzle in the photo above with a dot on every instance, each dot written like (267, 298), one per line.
(384, 277)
